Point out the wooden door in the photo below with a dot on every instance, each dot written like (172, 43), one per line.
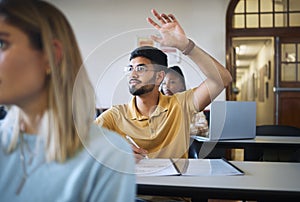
(287, 81)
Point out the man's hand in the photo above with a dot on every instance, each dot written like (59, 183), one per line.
(171, 32)
(139, 153)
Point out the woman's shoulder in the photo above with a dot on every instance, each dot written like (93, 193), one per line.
(109, 149)
(113, 140)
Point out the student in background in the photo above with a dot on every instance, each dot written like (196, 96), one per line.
(50, 150)
(174, 82)
(159, 124)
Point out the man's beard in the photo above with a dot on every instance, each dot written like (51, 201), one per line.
(144, 89)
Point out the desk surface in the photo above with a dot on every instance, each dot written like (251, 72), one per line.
(262, 139)
(283, 141)
(262, 180)
(271, 139)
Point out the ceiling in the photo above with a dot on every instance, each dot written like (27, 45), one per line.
(247, 49)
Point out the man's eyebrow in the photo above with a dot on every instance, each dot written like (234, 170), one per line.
(141, 64)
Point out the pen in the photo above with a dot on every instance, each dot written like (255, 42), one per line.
(135, 144)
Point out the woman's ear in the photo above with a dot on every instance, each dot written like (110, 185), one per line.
(58, 54)
(58, 49)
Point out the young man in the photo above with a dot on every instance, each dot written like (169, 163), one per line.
(159, 124)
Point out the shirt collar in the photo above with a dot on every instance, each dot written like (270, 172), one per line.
(163, 106)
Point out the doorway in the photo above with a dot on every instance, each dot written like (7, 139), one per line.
(254, 59)
(263, 54)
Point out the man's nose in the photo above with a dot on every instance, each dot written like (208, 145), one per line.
(133, 74)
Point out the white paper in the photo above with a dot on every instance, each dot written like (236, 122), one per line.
(213, 167)
(188, 167)
(155, 167)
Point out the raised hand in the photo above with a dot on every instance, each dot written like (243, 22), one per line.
(170, 30)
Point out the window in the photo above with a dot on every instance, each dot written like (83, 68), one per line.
(266, 14)
(290, 62)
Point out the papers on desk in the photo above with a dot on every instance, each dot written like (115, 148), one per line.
(188, 167)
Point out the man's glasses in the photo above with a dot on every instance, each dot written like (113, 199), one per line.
(140, 69)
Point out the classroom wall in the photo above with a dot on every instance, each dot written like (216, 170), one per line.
(108, 30)
(265, 105)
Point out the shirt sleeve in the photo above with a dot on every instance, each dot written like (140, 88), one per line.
(187, 100)
(107, 119)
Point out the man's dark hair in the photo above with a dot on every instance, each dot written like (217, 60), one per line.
(154, 54)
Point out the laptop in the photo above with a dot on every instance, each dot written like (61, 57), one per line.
(231, 120)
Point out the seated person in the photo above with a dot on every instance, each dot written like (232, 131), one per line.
(159, 124)
(44, 155)
(174, 82)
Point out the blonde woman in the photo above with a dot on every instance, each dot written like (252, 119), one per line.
(49, 148)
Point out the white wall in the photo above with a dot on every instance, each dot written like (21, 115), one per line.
(264, 104)
(108, 30)
(265, 108)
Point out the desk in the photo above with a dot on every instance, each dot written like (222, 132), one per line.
(265, 142)
(262, 181)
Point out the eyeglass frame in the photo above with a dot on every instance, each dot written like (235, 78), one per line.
(139, 72)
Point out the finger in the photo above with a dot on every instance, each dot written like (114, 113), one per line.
(138, 157)
(139, 151)
(135, 149)
(166, 18)
(142, 152)
(172, 17)
(158, 16)
(154, 24)
(155, 13)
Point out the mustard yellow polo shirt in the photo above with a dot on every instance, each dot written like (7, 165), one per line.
(165, 133)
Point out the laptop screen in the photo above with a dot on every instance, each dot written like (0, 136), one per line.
(232, 120)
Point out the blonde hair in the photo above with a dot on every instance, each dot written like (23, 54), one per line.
(68, 107)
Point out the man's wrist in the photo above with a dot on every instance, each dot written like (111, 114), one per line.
(189, 47)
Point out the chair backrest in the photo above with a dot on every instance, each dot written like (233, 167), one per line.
(194, 150)
(277, 130)
(291, 155)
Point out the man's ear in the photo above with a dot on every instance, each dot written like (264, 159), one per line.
(160, 77)
(58, 51)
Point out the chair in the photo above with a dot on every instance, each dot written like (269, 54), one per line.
(287, 155)
(277, 130)
(195, 147)
(99, 111)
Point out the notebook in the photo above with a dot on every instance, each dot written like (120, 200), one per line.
(231, 120)
(186, 167)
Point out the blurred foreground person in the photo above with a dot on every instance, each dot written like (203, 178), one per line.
(50, 150)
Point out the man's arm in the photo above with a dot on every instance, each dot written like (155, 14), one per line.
(106, 120)
(218, 77)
